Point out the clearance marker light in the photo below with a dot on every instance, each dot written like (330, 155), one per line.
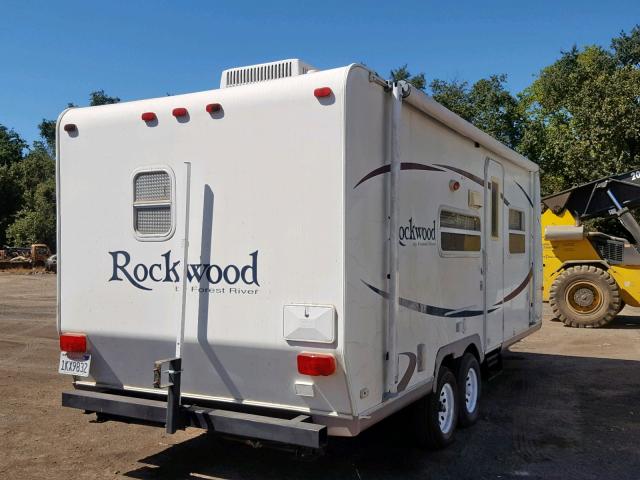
(213, 107)
(316, 364)
(179, 112)
(70, 127)
(149, 116)
(454, 185)
(322, 92)
(73, 342)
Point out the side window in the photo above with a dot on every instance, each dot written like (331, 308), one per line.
(517, 238)
(459, 232)
(495, 208)
(153, 205)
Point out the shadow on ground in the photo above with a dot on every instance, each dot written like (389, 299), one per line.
(545, 416)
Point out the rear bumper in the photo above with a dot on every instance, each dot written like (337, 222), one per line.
(297, 431)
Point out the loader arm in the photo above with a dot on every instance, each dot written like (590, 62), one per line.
(607, 197)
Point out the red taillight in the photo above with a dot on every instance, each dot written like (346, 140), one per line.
(149, 116)
(70, 127)
(316, 364)
(213, 107)
(73, 342)
(322, 92)
(179, 112)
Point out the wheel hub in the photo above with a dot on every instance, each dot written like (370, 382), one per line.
(471, 390)
(446, 410)
(584, 297)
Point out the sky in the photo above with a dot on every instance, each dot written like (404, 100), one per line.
(56, 52)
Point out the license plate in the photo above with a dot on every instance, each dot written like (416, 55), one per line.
(74, 364)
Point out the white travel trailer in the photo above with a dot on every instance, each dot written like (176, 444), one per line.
(310, 251)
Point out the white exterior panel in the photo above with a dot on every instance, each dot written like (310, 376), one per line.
(290, 221)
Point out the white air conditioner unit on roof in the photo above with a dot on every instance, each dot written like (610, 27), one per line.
(263, 72)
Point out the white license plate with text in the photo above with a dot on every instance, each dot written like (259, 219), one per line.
(74, 364)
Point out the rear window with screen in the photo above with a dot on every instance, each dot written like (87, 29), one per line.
(152, 216)
(459, 232)
(517, 234)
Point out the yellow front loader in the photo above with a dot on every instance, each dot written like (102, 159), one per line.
(590, 276)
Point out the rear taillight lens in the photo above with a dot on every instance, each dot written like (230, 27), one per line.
(73, 342)
(316, 364)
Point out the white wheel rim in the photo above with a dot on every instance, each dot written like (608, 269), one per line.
(471, 390)
(447, 408)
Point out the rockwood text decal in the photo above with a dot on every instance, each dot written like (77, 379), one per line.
(168, 270)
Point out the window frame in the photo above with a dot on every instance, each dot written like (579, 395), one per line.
(522, 232)
(495, 206)
(153, 237)
(478, 233)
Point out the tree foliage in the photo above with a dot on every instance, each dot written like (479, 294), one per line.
(579, 119)
(11, 146)
(402, 73)
(487, 104)
(100, 98)
(27, 183)
(583, 118)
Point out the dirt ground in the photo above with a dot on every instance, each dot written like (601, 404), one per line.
(567, 406)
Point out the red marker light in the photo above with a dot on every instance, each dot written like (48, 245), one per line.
(73, 342)
(70, 127)
(454, 185)
(322, 92)
(179, 112)
(316, 364)
(213, 107)
(149, 116)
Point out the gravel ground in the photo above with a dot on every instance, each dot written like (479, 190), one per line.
(566, 406)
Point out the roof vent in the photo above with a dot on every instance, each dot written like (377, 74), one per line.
(264, 72)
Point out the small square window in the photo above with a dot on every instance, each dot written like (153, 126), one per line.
(152, 204)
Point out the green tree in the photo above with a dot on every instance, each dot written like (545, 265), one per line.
(402, 73)
(34, 181)
(100, 98)
(48, 134)
(36, 223)
(487, 104)
(10, 197)
(627, 47)
(583, 116)
(11, 146)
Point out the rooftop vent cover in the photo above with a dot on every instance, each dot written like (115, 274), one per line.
(233, 77)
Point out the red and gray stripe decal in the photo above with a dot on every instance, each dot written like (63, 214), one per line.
(464, 173)
(518, 289)
(525, 194)
(403, 166)
(451, 312)
(429, 309)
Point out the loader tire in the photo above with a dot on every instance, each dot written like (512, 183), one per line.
(585, 296)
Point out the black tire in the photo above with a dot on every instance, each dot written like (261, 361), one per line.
(427, 412)
(585, 296)
(469, 390)
(622, 305)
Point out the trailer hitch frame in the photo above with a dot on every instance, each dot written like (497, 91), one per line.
(174, 372)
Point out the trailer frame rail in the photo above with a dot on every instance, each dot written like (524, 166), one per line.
(299, 430)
